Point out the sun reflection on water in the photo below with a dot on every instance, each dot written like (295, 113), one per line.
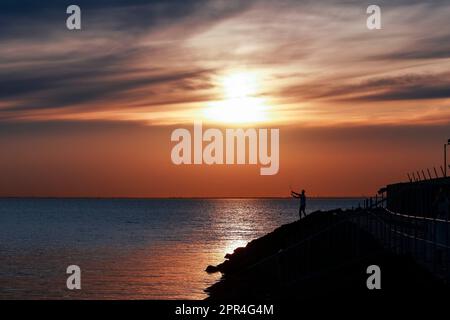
(232, 245)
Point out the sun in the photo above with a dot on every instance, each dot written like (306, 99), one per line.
(241, 103)
(240, 85)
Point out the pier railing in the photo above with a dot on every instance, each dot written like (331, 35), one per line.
(421, 238)
(316, 254)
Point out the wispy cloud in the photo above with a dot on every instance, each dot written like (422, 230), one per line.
(162, 59)
(403, 87)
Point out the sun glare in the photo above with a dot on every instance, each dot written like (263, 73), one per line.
(232, 245)
(241, 103)
(240, 85)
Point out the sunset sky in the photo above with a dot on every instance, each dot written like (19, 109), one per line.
(90, 112)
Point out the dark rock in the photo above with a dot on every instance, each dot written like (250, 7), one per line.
(212, 269)
(320, 256)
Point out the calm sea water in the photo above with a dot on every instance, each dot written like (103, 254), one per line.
(129, 249)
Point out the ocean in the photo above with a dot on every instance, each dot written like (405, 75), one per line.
(130, 248)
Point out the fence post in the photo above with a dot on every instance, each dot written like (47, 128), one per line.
(395, 235)
(447, 249)
(390, 232)
(415, 237)
(434, 245)
(402, 238)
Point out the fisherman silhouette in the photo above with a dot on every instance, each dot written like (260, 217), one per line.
(302, 197)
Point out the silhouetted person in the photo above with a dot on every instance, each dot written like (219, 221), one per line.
(302, 197)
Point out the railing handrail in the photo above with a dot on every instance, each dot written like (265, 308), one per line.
(351, 217)
(346, 218)
(415, 217)
(404, 234)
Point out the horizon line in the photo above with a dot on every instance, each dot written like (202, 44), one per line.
(173, 198)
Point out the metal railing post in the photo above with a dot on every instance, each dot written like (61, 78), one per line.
(447, 257)
(434, 256)
(415, 238)
(402, 226)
